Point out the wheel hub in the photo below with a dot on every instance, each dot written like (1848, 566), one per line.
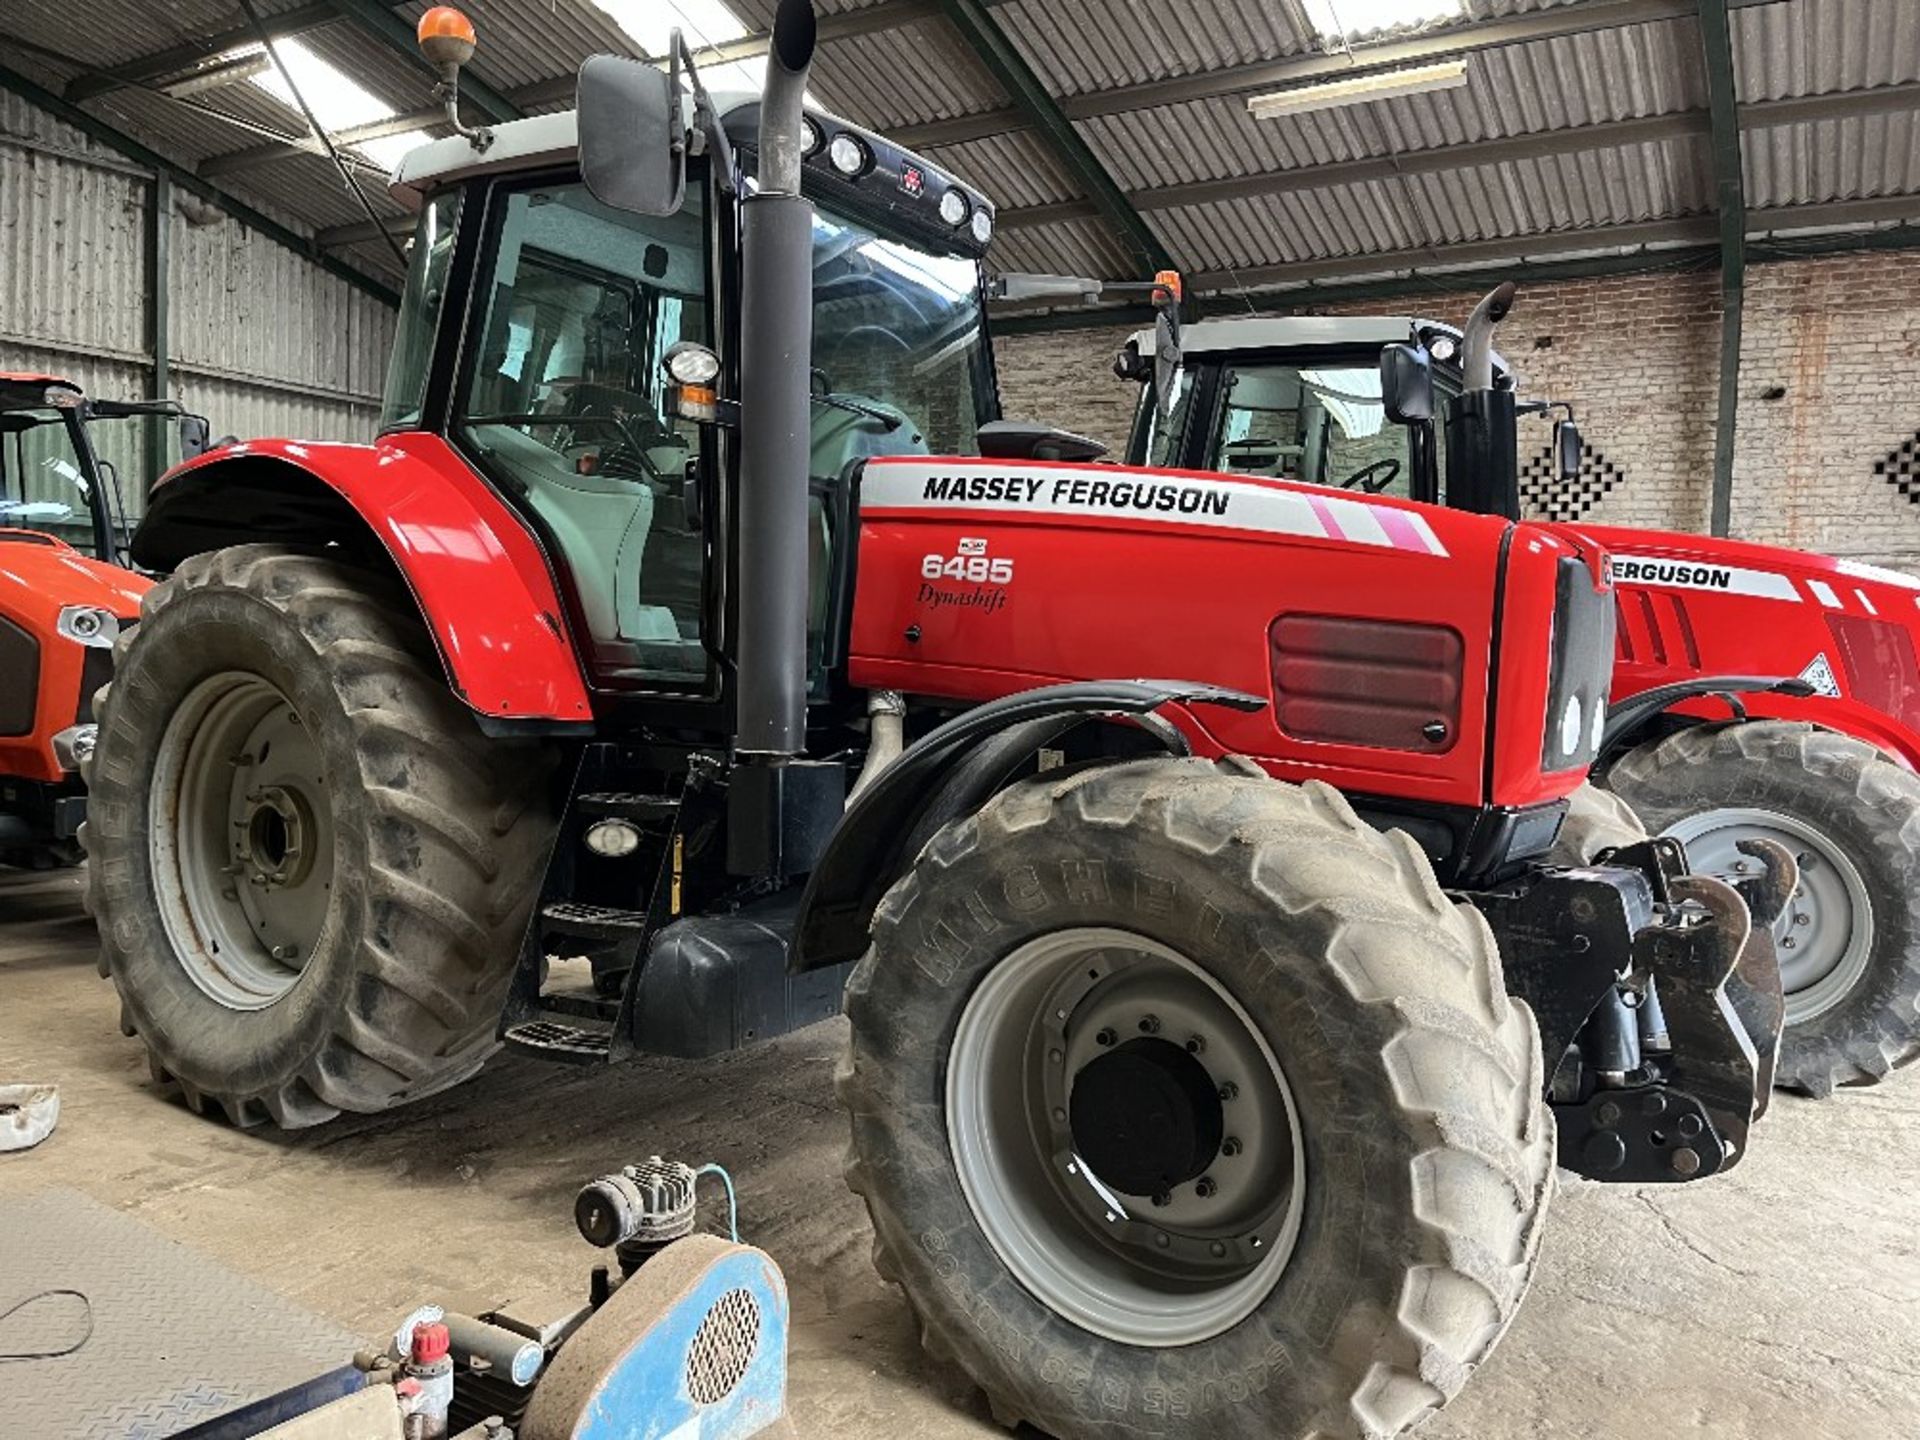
(272, 844)
(1824, 935)
(1146, 1117)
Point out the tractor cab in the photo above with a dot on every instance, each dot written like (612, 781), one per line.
(1301, 398)
(1358, 403)
(575, 363)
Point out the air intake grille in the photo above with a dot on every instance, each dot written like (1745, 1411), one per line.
(723, 1347)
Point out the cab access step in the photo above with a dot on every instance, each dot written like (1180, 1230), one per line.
(673, 966)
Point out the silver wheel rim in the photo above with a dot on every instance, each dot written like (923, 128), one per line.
(1824, 937)
(240, 840)
(1138, 1269)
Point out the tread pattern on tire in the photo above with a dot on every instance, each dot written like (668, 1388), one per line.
(1882, 789)
(1597, 820)
(417, 1025)
(1464, 1059)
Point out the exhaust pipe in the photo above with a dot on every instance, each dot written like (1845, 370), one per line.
(776, 317)
(1476, 350)
(1483, 435)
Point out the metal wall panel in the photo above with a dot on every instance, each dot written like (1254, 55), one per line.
(262, 341)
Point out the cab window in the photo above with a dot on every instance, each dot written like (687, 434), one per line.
(563, 407)
(43, 484)
(1323, 424)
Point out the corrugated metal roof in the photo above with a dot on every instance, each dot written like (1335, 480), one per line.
(921, 71)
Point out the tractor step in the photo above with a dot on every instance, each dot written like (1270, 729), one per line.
(601, 922)
(551, 1040)
(628, 805)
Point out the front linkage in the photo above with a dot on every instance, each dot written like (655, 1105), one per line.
(1660, 1000)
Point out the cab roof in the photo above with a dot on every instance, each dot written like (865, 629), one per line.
(1239, 333)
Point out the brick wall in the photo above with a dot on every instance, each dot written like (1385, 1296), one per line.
(1829, 387)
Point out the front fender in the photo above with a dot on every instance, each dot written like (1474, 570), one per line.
(950, 772)
(476, 572)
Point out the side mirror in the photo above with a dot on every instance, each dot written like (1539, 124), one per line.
(196, 435)
(1166, 357)
(1130, 364)
(1406, 384)
(1568, 448)
(633, 153)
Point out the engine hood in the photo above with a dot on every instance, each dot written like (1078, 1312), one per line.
(41, 575)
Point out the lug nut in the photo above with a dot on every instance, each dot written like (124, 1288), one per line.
(1800, 919)
(1150, 1024)
(1204, 1187)
(1231, 1145)
(1787, 942)
(1228, 1090)
(1105, 1037)
(1686, 1162)
(1195, 1044)
(1163, 1198)
(1608, 1114)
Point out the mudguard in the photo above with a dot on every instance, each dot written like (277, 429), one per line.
(1625, 719)
(950, 772)
(478, 575)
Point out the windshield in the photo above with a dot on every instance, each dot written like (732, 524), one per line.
(899, 348)
(43, 480)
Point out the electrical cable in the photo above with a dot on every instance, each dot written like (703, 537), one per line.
(85, 1335)
(733, 1203)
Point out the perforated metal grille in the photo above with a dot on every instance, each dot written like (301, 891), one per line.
(1544, 495)
(1901, 469)
(723, 1347)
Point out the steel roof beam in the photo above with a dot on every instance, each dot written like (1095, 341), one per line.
(163, 64)
(1699, 230)
(1580, 17)
(94, 127)
(1730, 197)
(1430, 283)
(1011, 71)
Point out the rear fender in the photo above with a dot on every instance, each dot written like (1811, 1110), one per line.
(480, 579)
(951, 772)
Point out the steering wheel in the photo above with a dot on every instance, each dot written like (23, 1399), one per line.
(1362, 479)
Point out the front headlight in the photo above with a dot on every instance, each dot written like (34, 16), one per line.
(89, 625)
(1581, 669)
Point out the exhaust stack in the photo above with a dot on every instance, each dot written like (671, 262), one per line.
(1483, 436)
(776, 323)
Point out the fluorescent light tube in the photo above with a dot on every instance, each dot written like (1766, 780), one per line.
(1382, 85)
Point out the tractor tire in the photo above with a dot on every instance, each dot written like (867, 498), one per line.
(1597, 821)
(310, 871)
(1849, 941)
(1197, 930)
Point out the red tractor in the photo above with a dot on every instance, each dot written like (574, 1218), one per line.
(1207, 1033)
(1824, 766)
(63, 597)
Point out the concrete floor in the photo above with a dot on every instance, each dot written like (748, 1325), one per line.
(1780, 1302)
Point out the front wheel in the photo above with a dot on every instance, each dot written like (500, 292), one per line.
(1182, 1098)
(1848, 940)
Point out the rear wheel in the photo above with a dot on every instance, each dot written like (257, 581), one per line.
(310, 870)
(1849, 939)
(1183, 1098)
